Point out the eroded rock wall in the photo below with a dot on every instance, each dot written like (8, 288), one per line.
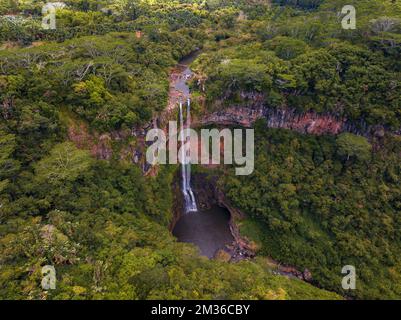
(306, 123)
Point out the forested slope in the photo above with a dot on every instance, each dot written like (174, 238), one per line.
(313, 202)
(318, 202)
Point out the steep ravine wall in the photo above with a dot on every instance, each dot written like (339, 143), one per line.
(288, 118)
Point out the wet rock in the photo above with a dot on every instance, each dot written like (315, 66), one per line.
(238, 252)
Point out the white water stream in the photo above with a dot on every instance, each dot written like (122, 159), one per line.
(189, 197)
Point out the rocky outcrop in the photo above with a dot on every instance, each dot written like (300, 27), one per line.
(289, 271)
(241, 116)
(309, 122)
(99, 146)
(305, 122)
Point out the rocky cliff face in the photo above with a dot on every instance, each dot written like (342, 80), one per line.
(100, 145)
(307, 123)
(115, 144)
(241, 116)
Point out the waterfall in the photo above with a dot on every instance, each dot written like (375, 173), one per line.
(189, 197)
(188, 169)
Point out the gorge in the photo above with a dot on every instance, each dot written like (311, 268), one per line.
(207, 228)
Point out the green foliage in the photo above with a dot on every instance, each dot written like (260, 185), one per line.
(8, 166)
(350, 145)
(287, 48)
(65, 163)
(112, 82)
(104, 226)
(341, 78)
(106, 241)
(312, 210)
(8, 6)
(305, 4)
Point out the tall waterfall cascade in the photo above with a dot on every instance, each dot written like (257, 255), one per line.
(189, 197)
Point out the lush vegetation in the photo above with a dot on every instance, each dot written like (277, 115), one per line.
(102, 224)
(322, 203)
(103, 227)
(313, 202)
(318, 202)
(306, 61)
(112, 81)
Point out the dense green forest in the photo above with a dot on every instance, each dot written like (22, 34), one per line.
(315, 202)
(319, 202)
(308, 62)
(313, 208)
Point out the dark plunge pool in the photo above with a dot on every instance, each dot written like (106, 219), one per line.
(208, 229)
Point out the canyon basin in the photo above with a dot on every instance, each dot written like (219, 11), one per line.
(208, 229)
